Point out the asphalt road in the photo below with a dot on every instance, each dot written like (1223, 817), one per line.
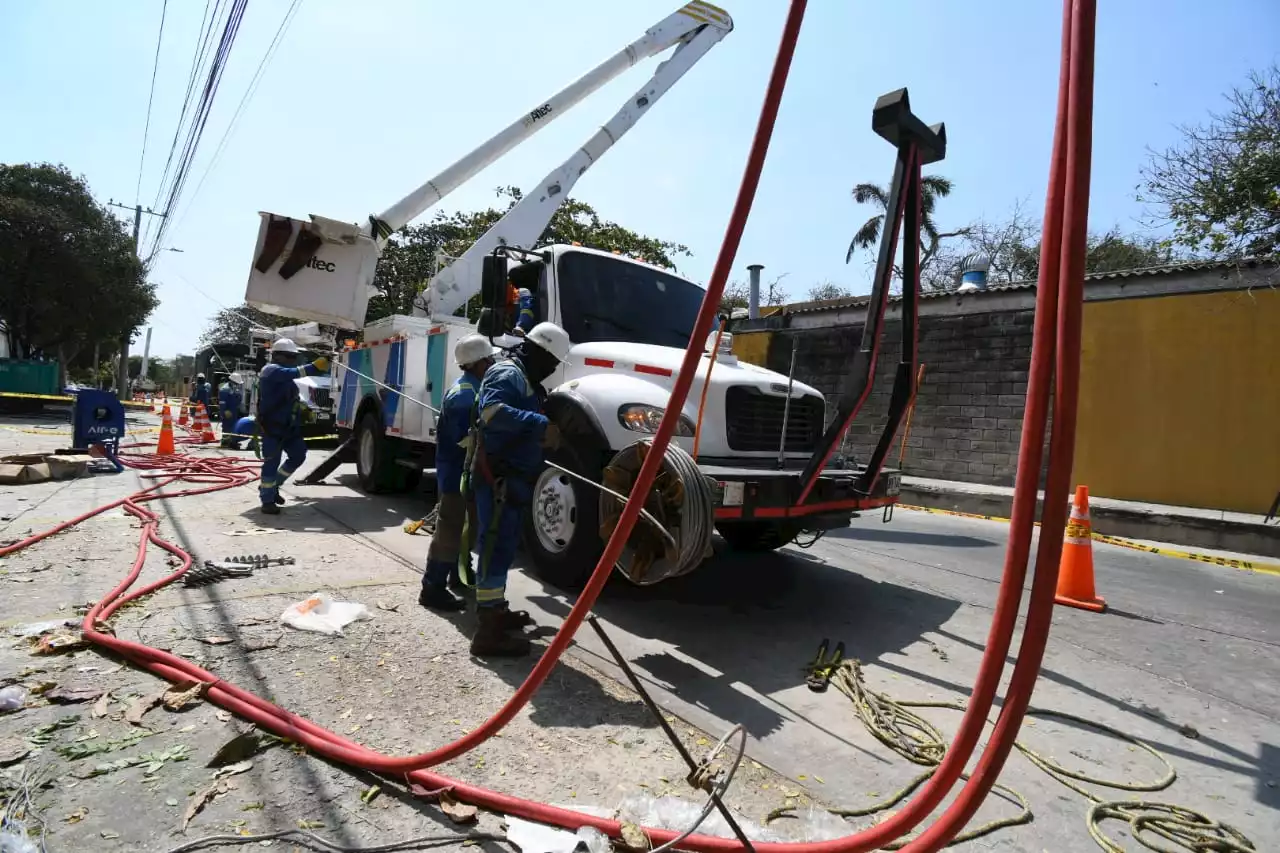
(1185, 659)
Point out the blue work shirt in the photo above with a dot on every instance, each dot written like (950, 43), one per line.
(278, 399)
(451, 430)
(202, 392)
(230, 401)
(525, 319)
(510, 423)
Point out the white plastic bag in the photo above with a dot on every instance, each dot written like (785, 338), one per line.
(323, 615)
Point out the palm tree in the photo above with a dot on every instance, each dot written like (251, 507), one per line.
(932, 188)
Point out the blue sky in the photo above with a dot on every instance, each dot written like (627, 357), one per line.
(365, 100)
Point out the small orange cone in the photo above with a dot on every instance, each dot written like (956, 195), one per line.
(182, 415)
(203, 427)
(165, 446)
(1075, 574)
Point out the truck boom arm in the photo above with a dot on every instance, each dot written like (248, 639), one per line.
(693, 29)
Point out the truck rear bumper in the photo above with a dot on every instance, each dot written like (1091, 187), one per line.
(748, 493)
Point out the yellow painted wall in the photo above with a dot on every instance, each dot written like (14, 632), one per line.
(752, 347)
(1180, 400)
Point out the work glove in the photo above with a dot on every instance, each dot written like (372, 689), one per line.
(322, 364)
(551, 439)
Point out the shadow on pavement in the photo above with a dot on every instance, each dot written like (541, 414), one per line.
(912, 537)
(756, 620)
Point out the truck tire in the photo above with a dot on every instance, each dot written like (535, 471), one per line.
(376, 456)
(758, 536)
(562, 527)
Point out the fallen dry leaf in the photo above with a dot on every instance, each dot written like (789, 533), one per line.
(183, 694)
(633, 837)
(72, 695)
(390, 608)
(240, 748)
(203, 798)
(77, 815)
(102, 707)
(233, 769)
(13, 750)
(426, 793)
(223, 716)
(57, 643)
(259, 645)
(214, 640)
(457, 812)
(140, 706)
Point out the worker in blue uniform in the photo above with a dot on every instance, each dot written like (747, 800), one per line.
(230, 409)
(474, 355)
(201, 392)
(526, 319)
(280, 421)
(509, 436)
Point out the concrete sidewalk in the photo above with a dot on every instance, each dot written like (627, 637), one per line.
(1180, 525)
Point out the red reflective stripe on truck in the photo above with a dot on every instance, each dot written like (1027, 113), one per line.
(597, 362)
(654, 371)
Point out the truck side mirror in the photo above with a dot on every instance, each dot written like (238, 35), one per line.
(494, 319)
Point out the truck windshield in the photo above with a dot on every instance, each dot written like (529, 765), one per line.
(608, 299)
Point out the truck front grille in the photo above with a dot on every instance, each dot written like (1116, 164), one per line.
(754, 421)
(320, 396)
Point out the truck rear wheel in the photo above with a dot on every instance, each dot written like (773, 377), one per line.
(562, 527)
(757, 536)
(376, 456)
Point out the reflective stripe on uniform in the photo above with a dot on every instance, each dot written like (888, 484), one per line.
(496, 594)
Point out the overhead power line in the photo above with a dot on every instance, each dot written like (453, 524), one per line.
(151, 94)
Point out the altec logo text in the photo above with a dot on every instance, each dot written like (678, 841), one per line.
(325, 266)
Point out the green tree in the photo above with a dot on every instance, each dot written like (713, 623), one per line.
(932, 188)
(828, 290)
(69, 273)
(415, 253)
(1219, 187)
(737, 294)
(232, 325)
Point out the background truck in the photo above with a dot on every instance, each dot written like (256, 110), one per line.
(763, 438)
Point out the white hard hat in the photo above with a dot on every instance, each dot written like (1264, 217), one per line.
(236, 379)
(524, 291)
(284, 345)
(551, 338)
(473, 348)
(199, 376)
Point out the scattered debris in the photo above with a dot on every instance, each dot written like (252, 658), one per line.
(322, 615)
(60, 642)
(77, 815)
(184, 693)
(369, 795)
(426, 793)
(151, 761)
(204, 797)
(84, 749)
(42, 735)
(393, 607)
(35, 629)
(634, 838)
(141, 705)
(102, 707)
(233, 769)
(311, 824)
(1189, 731)
(73, 695)
(12, 698)
(13, 750)
(214, 641)
(458, 812)
(242, 747)
(260, 645)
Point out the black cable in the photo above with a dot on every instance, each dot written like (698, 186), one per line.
(244, 100)
(151, 94)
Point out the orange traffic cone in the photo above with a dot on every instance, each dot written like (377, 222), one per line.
(203, 427)
(165, 446)
(1075, 573)
(182, 415)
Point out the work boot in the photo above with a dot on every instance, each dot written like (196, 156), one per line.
(491, 641)
(279, 501)
(513, 620)
(457, 587)
(270, 509)
(439, 598)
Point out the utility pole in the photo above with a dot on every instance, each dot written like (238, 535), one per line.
(122, 372)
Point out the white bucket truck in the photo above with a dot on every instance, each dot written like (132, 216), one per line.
(630, 323)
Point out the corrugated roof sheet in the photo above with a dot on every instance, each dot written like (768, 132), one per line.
(1007, 287)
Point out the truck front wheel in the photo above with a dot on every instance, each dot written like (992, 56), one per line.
(758, 535)
(376, 456)
(562, 527)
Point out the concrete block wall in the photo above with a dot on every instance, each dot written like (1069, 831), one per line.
(968, 416)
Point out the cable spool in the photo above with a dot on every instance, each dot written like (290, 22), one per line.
(681, 499)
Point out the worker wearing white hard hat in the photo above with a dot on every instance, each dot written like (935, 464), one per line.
(230, 409)
(280, 421)
(474, 355)
(201, 393)
(508, 441)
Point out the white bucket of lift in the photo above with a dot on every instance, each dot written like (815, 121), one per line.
(332, 286)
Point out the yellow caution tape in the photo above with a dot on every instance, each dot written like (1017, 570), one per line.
(63, 398)
(1229, 562)
(306, 438)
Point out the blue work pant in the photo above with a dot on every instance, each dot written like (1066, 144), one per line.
(294, 451)
(499, 536)
(228, 428)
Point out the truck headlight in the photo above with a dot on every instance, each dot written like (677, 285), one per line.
(639, 417)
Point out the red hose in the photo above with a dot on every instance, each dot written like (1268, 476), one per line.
(1054, 318)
